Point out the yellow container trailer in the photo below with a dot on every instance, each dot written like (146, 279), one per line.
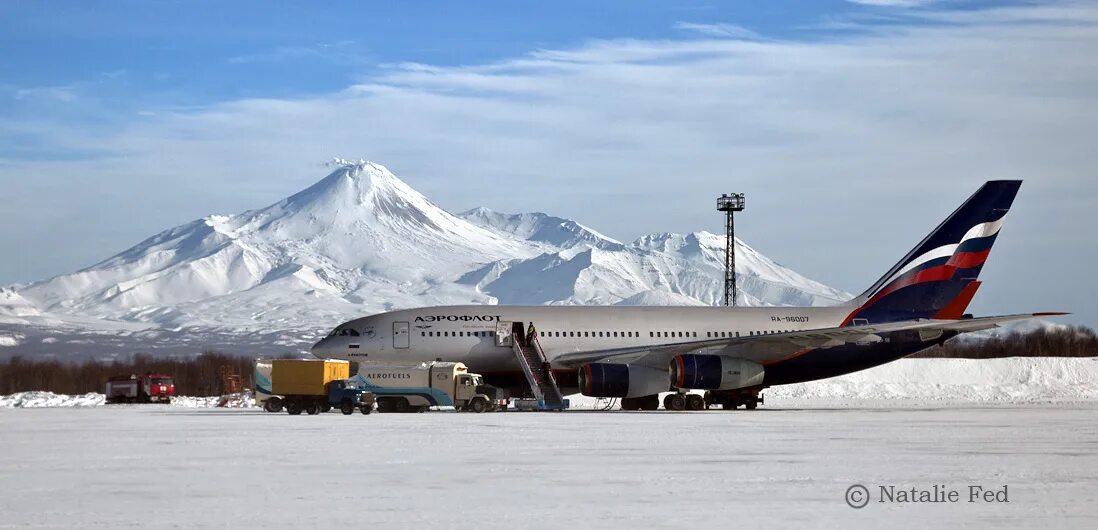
(306, 376)
(309, 385)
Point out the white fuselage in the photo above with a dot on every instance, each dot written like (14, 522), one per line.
(467, 333)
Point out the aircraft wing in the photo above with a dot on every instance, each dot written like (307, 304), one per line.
(766, 349)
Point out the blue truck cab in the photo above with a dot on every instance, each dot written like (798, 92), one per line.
(348, 396)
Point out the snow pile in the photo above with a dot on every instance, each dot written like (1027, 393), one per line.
(362, 241)
(11, 339)
(958, 380)
(192, 402)
(234, 401)
(28, 400)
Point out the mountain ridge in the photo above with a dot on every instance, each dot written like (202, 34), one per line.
(361, 240)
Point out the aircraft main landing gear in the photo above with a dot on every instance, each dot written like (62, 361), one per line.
(641, 403)
(749, 399)
(674, 401)
(683, 401)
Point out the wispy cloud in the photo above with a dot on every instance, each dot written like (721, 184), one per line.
(66, 93)
(894, 3)
(342, 52)
(720, 31)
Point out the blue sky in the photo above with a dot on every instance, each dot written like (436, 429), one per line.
(137, 53)
(853, 126)
(195, 52)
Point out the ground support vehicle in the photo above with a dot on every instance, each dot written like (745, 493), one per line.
(148, 388)
(415, 388)
(309, 385)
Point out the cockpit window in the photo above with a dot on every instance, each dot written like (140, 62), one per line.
(344, 332)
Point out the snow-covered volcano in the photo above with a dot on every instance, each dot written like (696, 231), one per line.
(362, 241)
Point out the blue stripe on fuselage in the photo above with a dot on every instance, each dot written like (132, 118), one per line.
(822, 363)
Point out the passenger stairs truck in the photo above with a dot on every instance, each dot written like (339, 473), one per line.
(415, 388)
(309, 385)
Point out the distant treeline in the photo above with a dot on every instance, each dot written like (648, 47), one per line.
(201, 375)
(1070, 341)
(193, 376)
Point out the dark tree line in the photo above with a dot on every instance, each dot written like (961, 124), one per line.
(193, 376)
(201, 375)
(1072, 341)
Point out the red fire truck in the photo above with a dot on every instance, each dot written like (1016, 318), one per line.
(140, 389)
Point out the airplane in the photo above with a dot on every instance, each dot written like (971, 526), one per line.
(733, 353)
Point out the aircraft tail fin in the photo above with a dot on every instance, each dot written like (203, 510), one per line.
(938, 278)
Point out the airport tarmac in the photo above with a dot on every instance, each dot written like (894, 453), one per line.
(150, 466)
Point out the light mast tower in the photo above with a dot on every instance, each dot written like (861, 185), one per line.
(730, 203)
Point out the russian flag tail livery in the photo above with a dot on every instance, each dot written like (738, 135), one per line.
(938, 278)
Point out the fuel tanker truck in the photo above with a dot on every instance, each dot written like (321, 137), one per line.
(415, 388)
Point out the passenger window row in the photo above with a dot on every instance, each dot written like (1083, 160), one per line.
(721, 334)
(591, 334)
(673, 333)
(457, 333)
(587, 334)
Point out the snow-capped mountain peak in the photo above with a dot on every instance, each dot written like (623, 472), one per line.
(357, 226)
(356, 195)
(361, 240)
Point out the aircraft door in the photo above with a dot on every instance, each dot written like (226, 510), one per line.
(400, 334)
(503, 334)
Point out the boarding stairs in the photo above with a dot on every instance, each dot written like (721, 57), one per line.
(542, 382)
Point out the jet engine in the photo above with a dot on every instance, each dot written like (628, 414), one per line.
(714, 372)
(621, 380)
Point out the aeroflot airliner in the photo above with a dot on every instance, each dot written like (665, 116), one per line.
(636, 353)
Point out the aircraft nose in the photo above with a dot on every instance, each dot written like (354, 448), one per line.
(322, 347)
